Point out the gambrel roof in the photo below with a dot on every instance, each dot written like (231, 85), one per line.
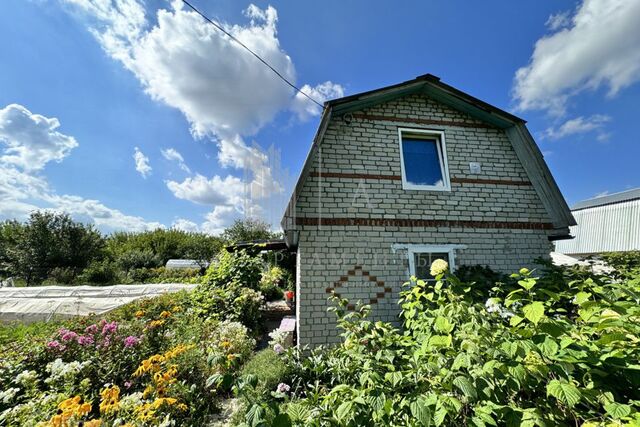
(515, 128)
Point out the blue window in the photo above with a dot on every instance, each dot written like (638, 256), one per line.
(423, 160)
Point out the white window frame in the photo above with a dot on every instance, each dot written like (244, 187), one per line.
(413, 249)
(442, 157)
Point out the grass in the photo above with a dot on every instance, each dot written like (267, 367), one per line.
(268, 367)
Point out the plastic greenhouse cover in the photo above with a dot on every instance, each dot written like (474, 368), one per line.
(43, 303)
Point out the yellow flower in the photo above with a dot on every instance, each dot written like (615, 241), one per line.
(165, 314)
(93, 423)
(139, 314)
(231, 357)
(110, 399)
(176, 308)
(156, 323)
(438, 267)
(225, 344)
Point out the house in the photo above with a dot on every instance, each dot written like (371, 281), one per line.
(608, 223)
(403, 175)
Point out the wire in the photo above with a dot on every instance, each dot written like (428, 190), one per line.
(277, 73)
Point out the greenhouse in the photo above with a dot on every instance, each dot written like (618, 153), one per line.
(44, 303)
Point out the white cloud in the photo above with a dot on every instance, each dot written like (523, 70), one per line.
(218, 219)
(305, 108)
(173, 155)
(599, 48)
(601, 194)
(142, 163)
(214, 191)
(185, 225)
(579, 125)
(31, 140)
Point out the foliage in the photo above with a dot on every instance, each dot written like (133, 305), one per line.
(625, 264)
(47, 241)
(229, 301)
(164, 244)
(268, 368)
(238, 267)
(272, 283)
(246, 230)
(100, 273)
(135, 259)
(557, 350)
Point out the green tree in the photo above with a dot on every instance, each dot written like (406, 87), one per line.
(48, 241)
(245, 230)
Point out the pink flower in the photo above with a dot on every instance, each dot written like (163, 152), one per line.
(127, 384)
(69, 335)
(131, 341)
(279, 349)
(109, 328)
(55, 344)
(85, 340)
(92, 329)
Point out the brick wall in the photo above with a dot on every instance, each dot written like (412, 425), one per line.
(352, 209)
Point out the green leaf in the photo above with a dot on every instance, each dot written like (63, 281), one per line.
(546, 344)
(617, 410)
(421, 411)
(534, 312)
(440, 340)
(466, 387)
(393, 377)
(581, 297)
(565, 392)
(255, 415)
(282, 420)
(515, 320)
(443, 325)
(527, 283)
(343, 412)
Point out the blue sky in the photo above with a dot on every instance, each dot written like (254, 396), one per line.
(134, 114)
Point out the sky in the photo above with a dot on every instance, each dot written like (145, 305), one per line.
(134, 115)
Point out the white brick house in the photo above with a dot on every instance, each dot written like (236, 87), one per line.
(402, 175)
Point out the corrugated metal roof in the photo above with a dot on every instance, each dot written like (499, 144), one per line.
(610, 227)
(608, 199)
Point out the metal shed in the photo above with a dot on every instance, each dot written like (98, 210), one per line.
(609, 223)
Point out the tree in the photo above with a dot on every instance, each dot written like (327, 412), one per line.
(48, 241)
(245, 230)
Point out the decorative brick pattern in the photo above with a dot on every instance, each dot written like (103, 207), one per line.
(424, 223)
(399, 178)
(357, 270)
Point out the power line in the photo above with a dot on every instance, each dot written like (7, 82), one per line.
(219, 27)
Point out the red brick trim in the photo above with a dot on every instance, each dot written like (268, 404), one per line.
(489, 181)
(373, 279)
(423, 223)
(354, 175)
(399, 178)
(375, 117)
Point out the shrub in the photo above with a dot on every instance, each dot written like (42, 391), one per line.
(272, 282)
(271, 291)
(100, 273)
(562, 354)
(237, 267)
(134, 259)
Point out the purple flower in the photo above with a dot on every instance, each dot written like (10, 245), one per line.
(131, 341)
(279, 349)
(109, 328)
(128, 384)
(92, 329)
(85, 340)
(283, 388)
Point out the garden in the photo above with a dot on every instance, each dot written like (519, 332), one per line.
(549, 347)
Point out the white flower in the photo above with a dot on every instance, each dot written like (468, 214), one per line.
(26, 377)
(492, 306)
(278, 349)
(7, 395)
(283, 388)
(438, 267)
